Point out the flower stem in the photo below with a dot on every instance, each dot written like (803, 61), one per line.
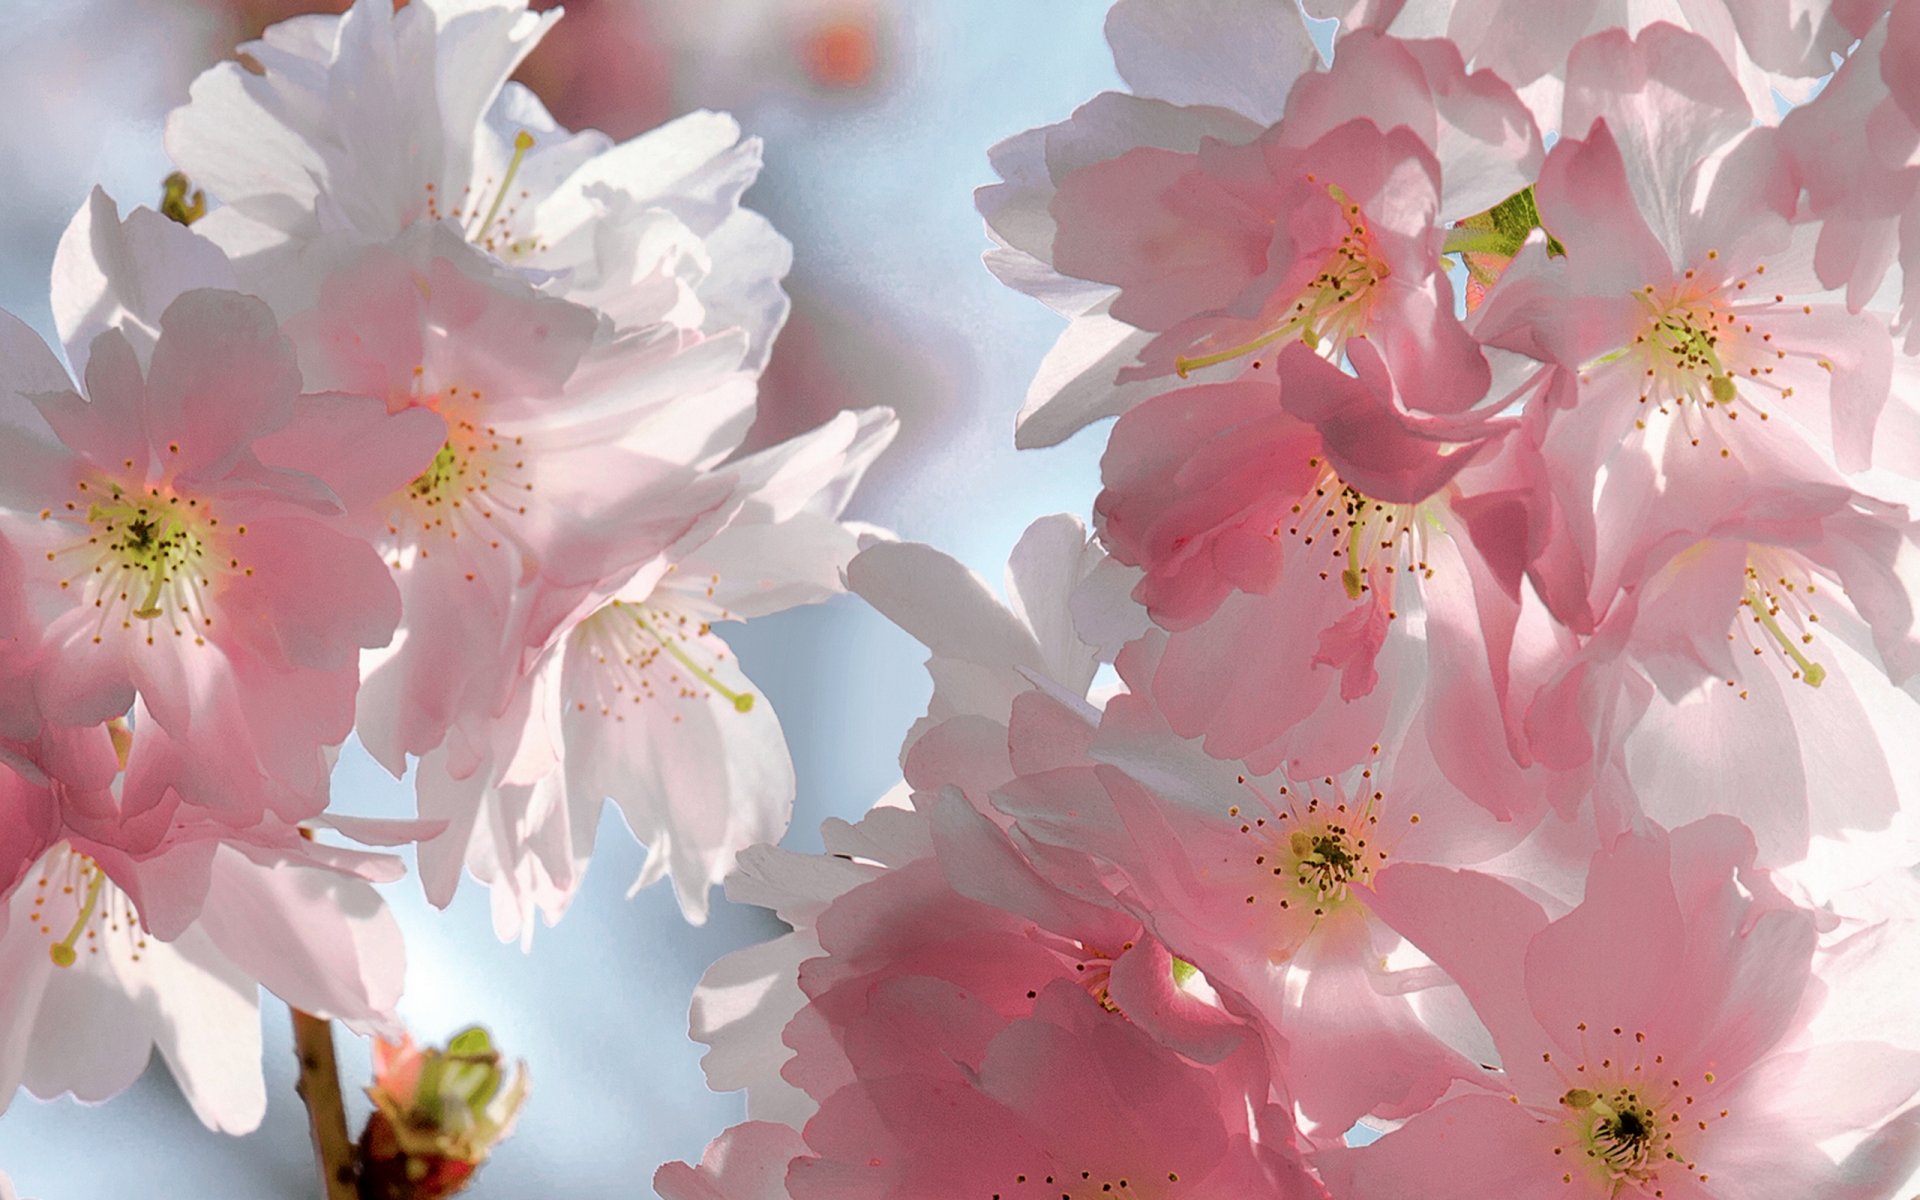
(319, 1087)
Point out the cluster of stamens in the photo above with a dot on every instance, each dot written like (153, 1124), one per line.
(1315, 849)
(647, 653)
(1358, 534)
(73, 898)
(147, 557)
(487, 217)
(1708, 346)
(1778, 601)
(1335, 305)
(474, 480)
(1625, 1115)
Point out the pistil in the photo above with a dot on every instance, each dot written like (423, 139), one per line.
(741, 701)
(62, 952)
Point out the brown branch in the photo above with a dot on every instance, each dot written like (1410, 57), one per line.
(319, 1087)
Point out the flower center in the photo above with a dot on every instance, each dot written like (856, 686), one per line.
(1778, 600)
(1624, 1115)
(1317, 850)
(1619, 1131)
(491, 227)
(1336, 304)
(1709, 346)
(73, 898)
(146, 555)
(474, 481)
(1093, 970)
(650, 653)
(1361, 537)
(1327, 861)
(441, 479)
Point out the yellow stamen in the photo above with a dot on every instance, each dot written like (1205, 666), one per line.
(1183, 364)
(742, 701)
(1811, 673)
(1351, 578)
(522, 143)
(62, 952)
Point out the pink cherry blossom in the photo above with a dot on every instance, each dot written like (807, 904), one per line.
(634, 697)
(1260, 881)
(95, 988)
(923, 964)
(1650, 1040)
(1678, 317)
(166, 557)
(1156, 228)
(358, 127)
(566, 459)
(1683, 360)
(1070, 1099)
(1200, 482)
(1191, 244)
(1319, 506)
(1851, 147)
(1749, 663)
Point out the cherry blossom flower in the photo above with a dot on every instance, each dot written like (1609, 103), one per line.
(1260, 881)
(567, 457)
(1769, 47)
(1315, 504)
(1069, 1099)
(924, 960)
(1155, 228)
(634, 697)
(181, 542)
(1684, 323)
(1668, 1059)
(94, 986)
(361, 125)
(1851, 148)
(1749, 667)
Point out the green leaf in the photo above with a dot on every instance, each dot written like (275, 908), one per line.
(1502, 229)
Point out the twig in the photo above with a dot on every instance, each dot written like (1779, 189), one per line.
(319, 1087)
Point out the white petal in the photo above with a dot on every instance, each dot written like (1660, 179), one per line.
(108, 272)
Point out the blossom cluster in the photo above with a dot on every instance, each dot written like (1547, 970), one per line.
(1472, 752)
(411, 415)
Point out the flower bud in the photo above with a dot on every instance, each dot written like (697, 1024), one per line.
(437, 1115)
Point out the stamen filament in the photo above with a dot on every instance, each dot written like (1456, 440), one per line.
(1182, 365)
(742, 701)
(62, 952)
(1811, 673)
(522, 142)
(1352, 578)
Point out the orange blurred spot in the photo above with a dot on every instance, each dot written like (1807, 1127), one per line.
(841, 54)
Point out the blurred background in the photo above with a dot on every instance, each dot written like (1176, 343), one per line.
(877, 116)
